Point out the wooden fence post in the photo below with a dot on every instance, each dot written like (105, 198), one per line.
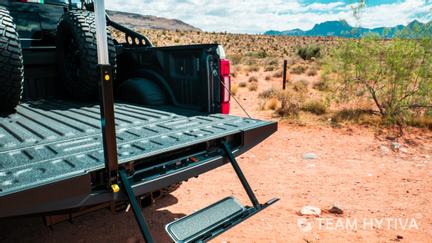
(284, 74)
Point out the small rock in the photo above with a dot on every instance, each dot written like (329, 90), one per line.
(310, 156)
(403, 150)
(396, 146)
(335, 210)
(399, 237)
(310, 210)
(384, 149)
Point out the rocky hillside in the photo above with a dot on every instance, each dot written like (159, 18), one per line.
(138, 21)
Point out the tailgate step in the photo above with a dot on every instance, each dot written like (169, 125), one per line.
(206, 223)
(211, 221)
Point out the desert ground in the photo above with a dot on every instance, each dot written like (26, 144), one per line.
(379, 181)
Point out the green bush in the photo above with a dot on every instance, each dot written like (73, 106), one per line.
(317, 107)
(396, 75)
(309, 52)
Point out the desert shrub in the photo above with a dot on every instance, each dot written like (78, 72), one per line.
(234, 89)
(250, 61)
(242, 84)
(298, 69)
(262, 54)
(394, 74)
(423, 121)
(317, 107)
(301, 86)
(253, 86)
(253, 68)
(273, 62)
(321, 86)
(253, 79)
(361, 116)
(324, 83)
(269, 69)
(290, 103)
(278, 74)
(309, 52)
(235, 58)
(268, 93)
(271, 104)
(258, 54)
(312, 71)
(267, 77)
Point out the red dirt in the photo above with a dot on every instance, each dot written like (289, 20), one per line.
(351, 171)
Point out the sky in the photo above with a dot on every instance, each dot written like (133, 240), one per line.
(258, 16)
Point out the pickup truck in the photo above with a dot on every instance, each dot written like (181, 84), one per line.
(171, 114)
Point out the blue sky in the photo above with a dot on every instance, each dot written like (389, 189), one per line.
(257, 16)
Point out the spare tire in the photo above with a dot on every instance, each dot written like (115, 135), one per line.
(11, 63)
(77, 54)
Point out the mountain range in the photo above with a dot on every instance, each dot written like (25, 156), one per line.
(343, 29)
(138, 21)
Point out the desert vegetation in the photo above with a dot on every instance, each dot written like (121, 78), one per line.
(365, 81)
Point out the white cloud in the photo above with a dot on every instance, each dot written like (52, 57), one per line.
(325, 6)
(258, 16)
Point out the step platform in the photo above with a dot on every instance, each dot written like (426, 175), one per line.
(211, 221)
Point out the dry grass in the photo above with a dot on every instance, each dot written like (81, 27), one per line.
(322, 86)
(301, 86)
(317, 107)
(253, 79)
(253, 68)
(278, 74)
(358, 116)
(242, 84)
(290, 104)
(253, 86)
(268, 93)
(272, 104)
(234, 89)
(312, 71)
(298, 69)
(423, 121)
(269, 69)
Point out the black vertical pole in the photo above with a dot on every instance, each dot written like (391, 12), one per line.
(106, 95)
(135, 207)
(108, 123)
(284, 74)
(241, 176)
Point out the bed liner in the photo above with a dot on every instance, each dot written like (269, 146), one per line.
(50, 141)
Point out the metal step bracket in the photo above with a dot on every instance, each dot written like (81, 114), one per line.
(219, 217)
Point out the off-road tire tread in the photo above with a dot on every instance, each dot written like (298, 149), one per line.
(11, 63)
(84, 31)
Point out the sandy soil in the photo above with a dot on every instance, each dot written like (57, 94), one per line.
(385, 195)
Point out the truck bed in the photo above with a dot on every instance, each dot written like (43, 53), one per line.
(51, 141)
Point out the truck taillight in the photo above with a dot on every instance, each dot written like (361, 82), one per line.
(226, 85)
